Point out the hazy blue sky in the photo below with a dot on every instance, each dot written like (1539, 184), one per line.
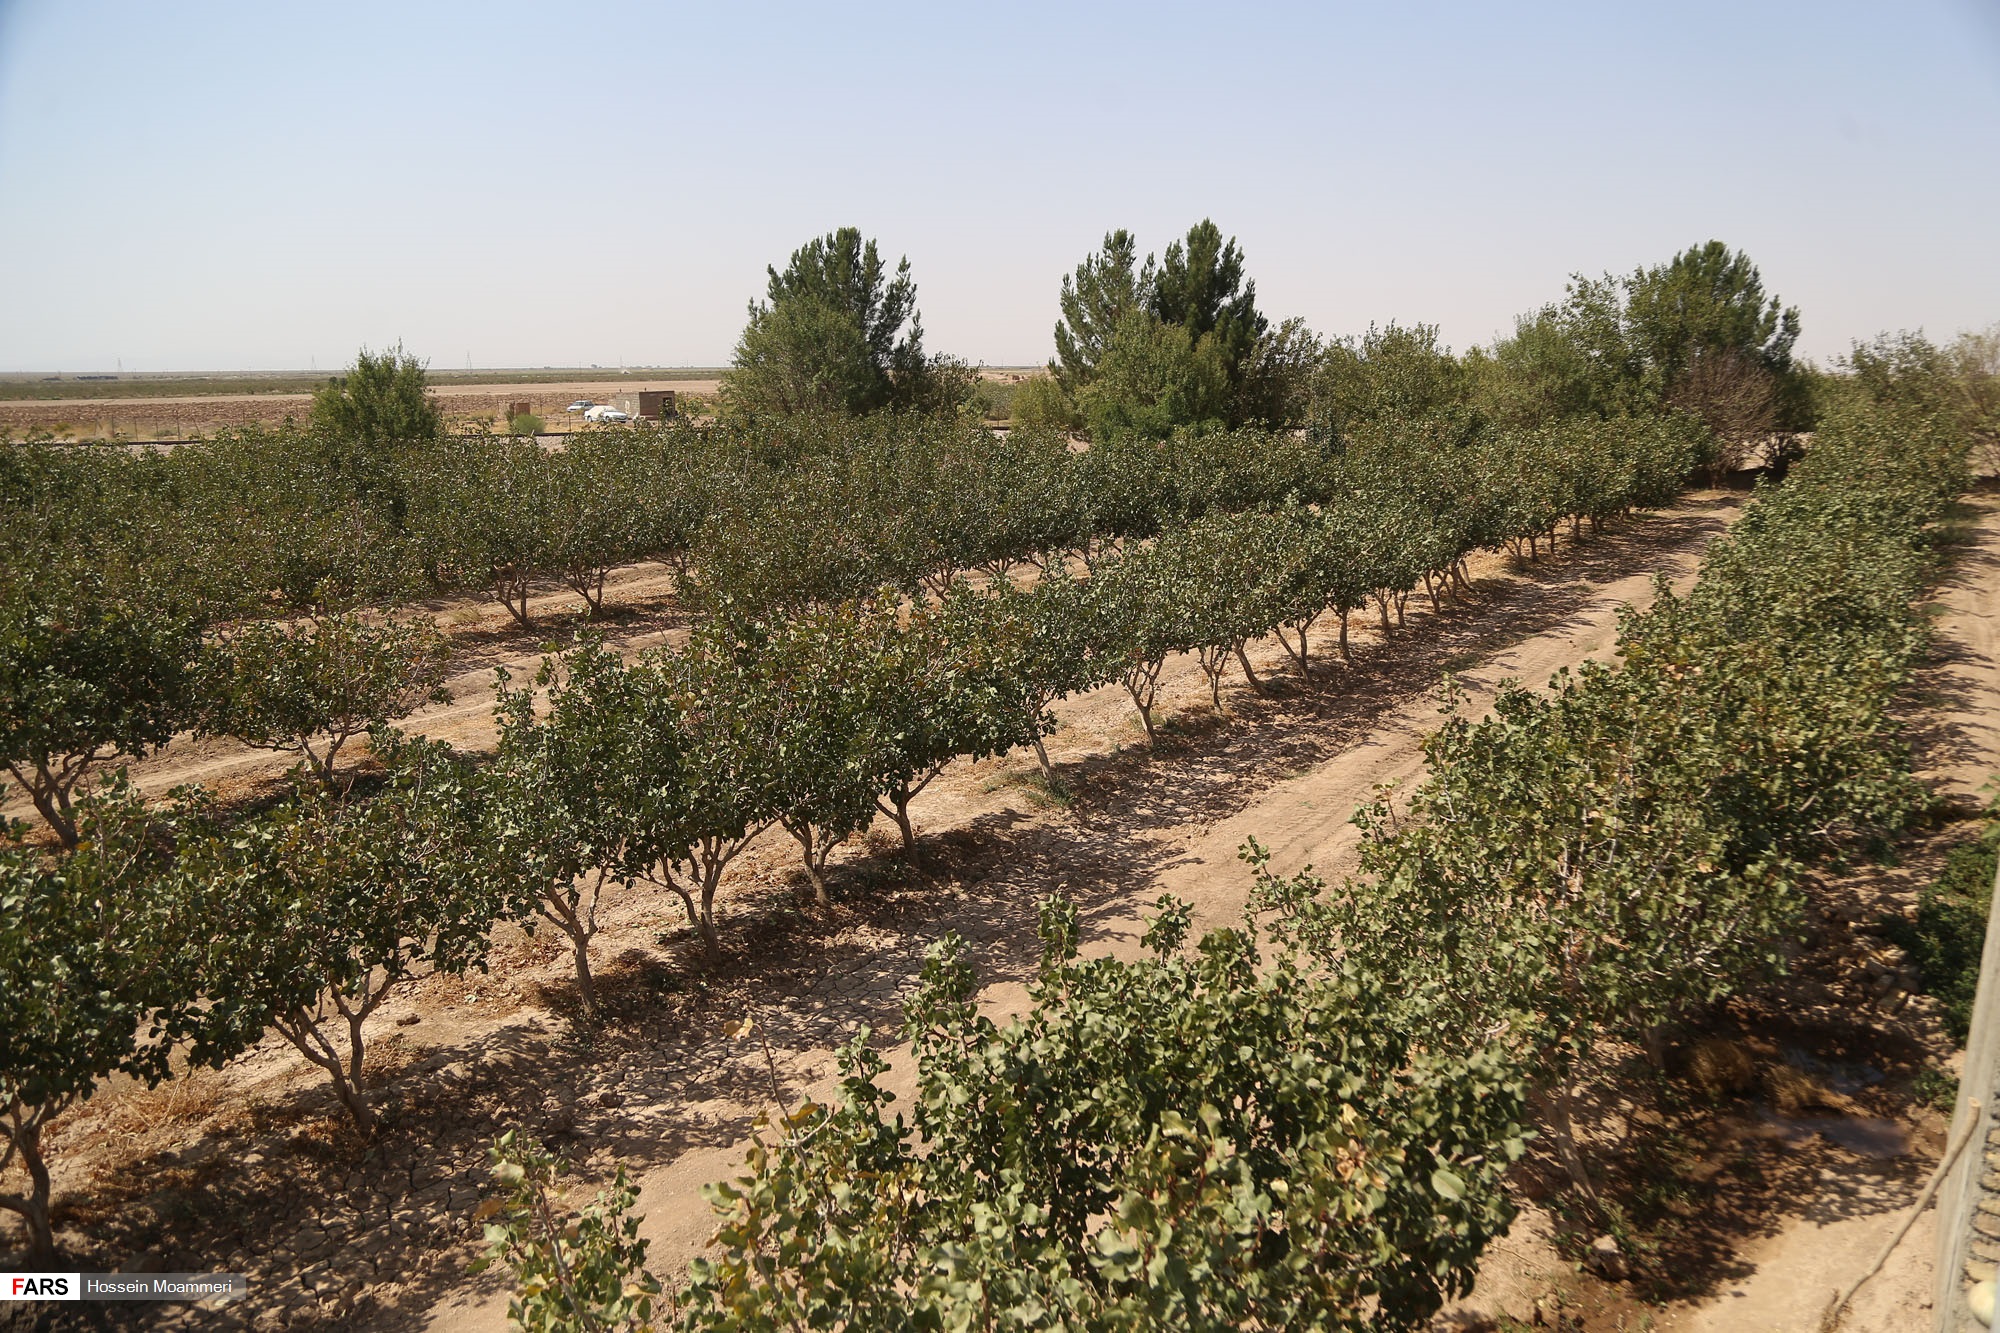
(269, 185)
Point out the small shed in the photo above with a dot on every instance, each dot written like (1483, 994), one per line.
(651, 404)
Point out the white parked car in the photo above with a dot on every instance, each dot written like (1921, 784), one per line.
(580, 405)
(603, 413)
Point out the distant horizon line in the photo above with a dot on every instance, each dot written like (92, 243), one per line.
(100, 375)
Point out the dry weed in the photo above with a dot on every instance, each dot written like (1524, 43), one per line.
(1718, 1066)
(193, 1098)
(1792, 1090)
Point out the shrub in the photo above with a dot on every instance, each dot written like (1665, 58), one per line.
(1204, 1139)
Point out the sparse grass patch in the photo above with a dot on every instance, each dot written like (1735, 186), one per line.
(1050, 792)
(1936, 1089)
(1949, 935)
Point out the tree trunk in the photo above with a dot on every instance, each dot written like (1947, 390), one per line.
(589, 585)
(41, 1233)
(1300, 658)
(346, 1086)
(711, 880)
(301, 1029)
(364, 1114)
(815, 847)
(356, 1101)
(1654, 1039)
(1142, 682)
(1211, 658)
(52, 803)
(1566, 1144)
(1042, 755)
(1346, 653)
(326, 770)
(568, 917)
(511, 588)
(898, 809)
(586, 988)
(1382, 606)
(34, 1205)
(1243, 661)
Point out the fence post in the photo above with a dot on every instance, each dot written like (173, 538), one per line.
(1961, 1193)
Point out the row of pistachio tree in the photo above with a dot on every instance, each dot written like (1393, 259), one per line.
(172, 939)
(88, 678)
(306, 519)
(196, 933)
(919, 508)
(1602, 860)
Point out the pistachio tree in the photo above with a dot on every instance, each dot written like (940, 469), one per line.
(1139, 618)
(820, 692)
(310, 687)
(98, 977)
(1204, 1138)
(571, 786)
(597, 510)
(338, 903)
(575, 1270)
(86, 677)
(1233, 578)
(726, 790)
(1327, 573)
(1040, 645)
(947, 695)
(483, 516)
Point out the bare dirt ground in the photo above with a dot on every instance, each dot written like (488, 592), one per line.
(181, 416)
(250, 1169)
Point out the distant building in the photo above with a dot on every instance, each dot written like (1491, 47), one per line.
(651, 404)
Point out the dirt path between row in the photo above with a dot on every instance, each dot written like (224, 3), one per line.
(1290, 769)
